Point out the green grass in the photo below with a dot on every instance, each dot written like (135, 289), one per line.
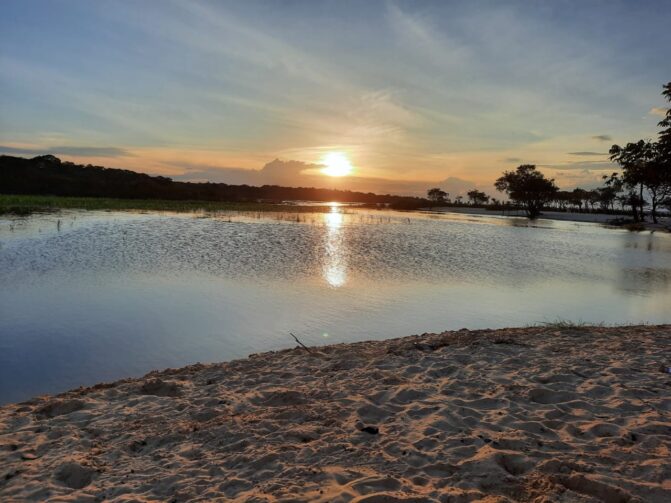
(25, 205)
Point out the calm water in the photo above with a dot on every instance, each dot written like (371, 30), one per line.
(87, 297)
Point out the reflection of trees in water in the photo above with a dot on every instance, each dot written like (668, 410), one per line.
(644, 280)
(645, 248)
(648, 241)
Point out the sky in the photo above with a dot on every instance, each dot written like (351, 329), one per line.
(414, 94)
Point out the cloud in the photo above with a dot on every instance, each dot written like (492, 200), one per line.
(661, 112)
(276, 172)
(602, 137)
(512, 159)
(600, 154)
(68, 151)
(585, 179)
(300, 174)
(581, 165)
(458, 186)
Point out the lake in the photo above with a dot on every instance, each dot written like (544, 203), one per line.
(96, 296)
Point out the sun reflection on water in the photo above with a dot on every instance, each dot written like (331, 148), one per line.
(335, 266)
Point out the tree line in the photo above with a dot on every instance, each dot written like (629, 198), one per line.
(48, 175)
(644, 181)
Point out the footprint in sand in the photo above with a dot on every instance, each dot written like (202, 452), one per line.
(74, 475)
(590, 487)
(375, 484)
(410, 395)
(390, 498)
(372, 413)
(59, 408)
(280, 398)
(159, 387)
(547, 396)
(514, 464)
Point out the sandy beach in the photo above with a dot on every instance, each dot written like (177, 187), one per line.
(542, 414)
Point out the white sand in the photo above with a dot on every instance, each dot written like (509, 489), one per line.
(535, 415)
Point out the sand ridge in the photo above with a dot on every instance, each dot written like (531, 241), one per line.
(542, 414)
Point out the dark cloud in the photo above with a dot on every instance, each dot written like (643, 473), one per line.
(600, 154)
(602, 137)
(512, 159)
(69, 151)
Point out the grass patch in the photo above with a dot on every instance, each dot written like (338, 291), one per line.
(561, 323)
(28, 204)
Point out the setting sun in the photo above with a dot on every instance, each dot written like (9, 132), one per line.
(336, 164)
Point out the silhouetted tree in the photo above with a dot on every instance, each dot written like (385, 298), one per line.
(477, 197)
(579, 197)
(647, 165)
(644, 167)
(563, 199)
(527, 187)
(436, 195)
(614, 185)
(665, 134)
(606, 197)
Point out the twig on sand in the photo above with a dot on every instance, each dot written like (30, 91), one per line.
(299, 342)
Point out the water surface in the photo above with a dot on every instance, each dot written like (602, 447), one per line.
(93, 296)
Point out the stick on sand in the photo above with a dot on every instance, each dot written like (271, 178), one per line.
(299, 342)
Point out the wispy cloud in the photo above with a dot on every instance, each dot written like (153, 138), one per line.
(659, 111)
(587, 153)
(73, 151)
(582, 165)
(409, 90)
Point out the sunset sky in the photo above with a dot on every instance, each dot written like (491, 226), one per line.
(412, 94)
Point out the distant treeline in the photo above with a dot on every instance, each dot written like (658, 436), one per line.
(48, 175)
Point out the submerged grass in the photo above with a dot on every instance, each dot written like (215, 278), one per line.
(27, 204)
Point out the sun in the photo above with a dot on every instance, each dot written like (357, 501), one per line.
(336, 164)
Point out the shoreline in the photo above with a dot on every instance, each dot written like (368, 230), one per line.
(664, 224)
(566, 413)
(25, 205)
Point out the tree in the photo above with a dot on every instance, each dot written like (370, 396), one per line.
(606, 197)
(665, 144)
(667, 203)
(647, 165)
(437, 195)
(579, 197)
(527, 187)
(477, 197)
(613, 186)
(644, 167)
(665, 134)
